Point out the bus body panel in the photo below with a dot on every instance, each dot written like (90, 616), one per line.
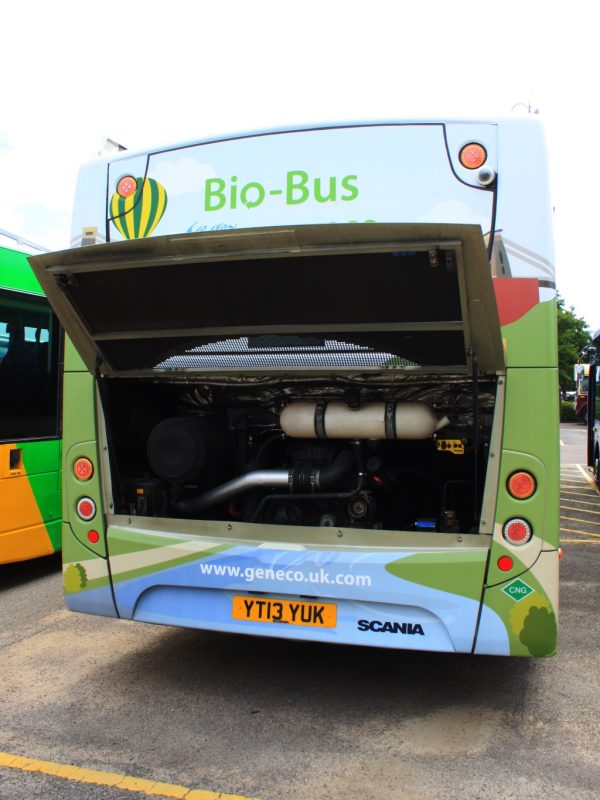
(528, 606)
(391, 172)
(86, 578)
(337, 174)
(192, 581)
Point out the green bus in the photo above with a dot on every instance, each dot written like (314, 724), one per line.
(593, 408)
(30, 410)
(300, 401)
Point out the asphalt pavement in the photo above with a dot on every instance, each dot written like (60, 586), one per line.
(282, 720)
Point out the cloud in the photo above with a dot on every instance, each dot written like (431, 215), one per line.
(38, 223)
(182, 176)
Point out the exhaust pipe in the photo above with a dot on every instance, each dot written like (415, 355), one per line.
(296, 480)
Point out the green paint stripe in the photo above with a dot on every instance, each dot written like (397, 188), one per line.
(115, 780)
(42, 463)
(136, 217)
(94, 583)
(457, 573)
(115, 212)
(164, 565)
(150, 199)
(138, 542)
(129, 217)
(162, 205)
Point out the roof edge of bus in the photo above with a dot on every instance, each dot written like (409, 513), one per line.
(291, 127)
(19, 244)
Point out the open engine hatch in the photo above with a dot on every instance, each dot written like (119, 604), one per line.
(355, 298)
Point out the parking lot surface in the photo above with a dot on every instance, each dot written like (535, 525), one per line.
(275, 719)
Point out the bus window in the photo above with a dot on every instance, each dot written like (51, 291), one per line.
(29, 369)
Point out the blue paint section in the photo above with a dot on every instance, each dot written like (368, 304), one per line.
(93, 601)
(199, 594)
(211, 609)
(492, 638)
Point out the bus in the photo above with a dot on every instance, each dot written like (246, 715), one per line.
(593, 408)
(30, 419)
(299, 403)
(580, 403)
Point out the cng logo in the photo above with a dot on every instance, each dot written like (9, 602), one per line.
(517, 589)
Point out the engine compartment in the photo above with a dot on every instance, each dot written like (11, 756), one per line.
(369, 452)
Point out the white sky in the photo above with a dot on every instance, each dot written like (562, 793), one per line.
(147, 73)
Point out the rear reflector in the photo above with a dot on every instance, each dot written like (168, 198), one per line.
(517, 531)
(93, 536)
(472, 156)
(83, 469)
(505, 563)
(127, 186)
(521, 485)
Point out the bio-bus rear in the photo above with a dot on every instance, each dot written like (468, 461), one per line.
(304, 407)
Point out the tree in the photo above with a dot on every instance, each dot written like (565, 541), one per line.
(573, 336)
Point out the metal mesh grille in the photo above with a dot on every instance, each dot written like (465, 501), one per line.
(256, 352)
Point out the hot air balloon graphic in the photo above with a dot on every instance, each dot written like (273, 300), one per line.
(137, 206)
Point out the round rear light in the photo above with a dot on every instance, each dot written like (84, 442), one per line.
(86, 508)
(505, 563)
(93, 536)
(517, 531)
(521, 485)
(127, 186)
(83, 469)
(472, 155)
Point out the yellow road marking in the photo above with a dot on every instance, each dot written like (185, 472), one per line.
(588, 478)
(580, 533)
(113, 779)
(579, 541)
(576, 519)
(581, 502)
(568, 508)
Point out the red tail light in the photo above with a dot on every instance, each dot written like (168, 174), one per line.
(86, 508)
(505, 563)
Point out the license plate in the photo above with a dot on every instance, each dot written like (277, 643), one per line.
(286, 612)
